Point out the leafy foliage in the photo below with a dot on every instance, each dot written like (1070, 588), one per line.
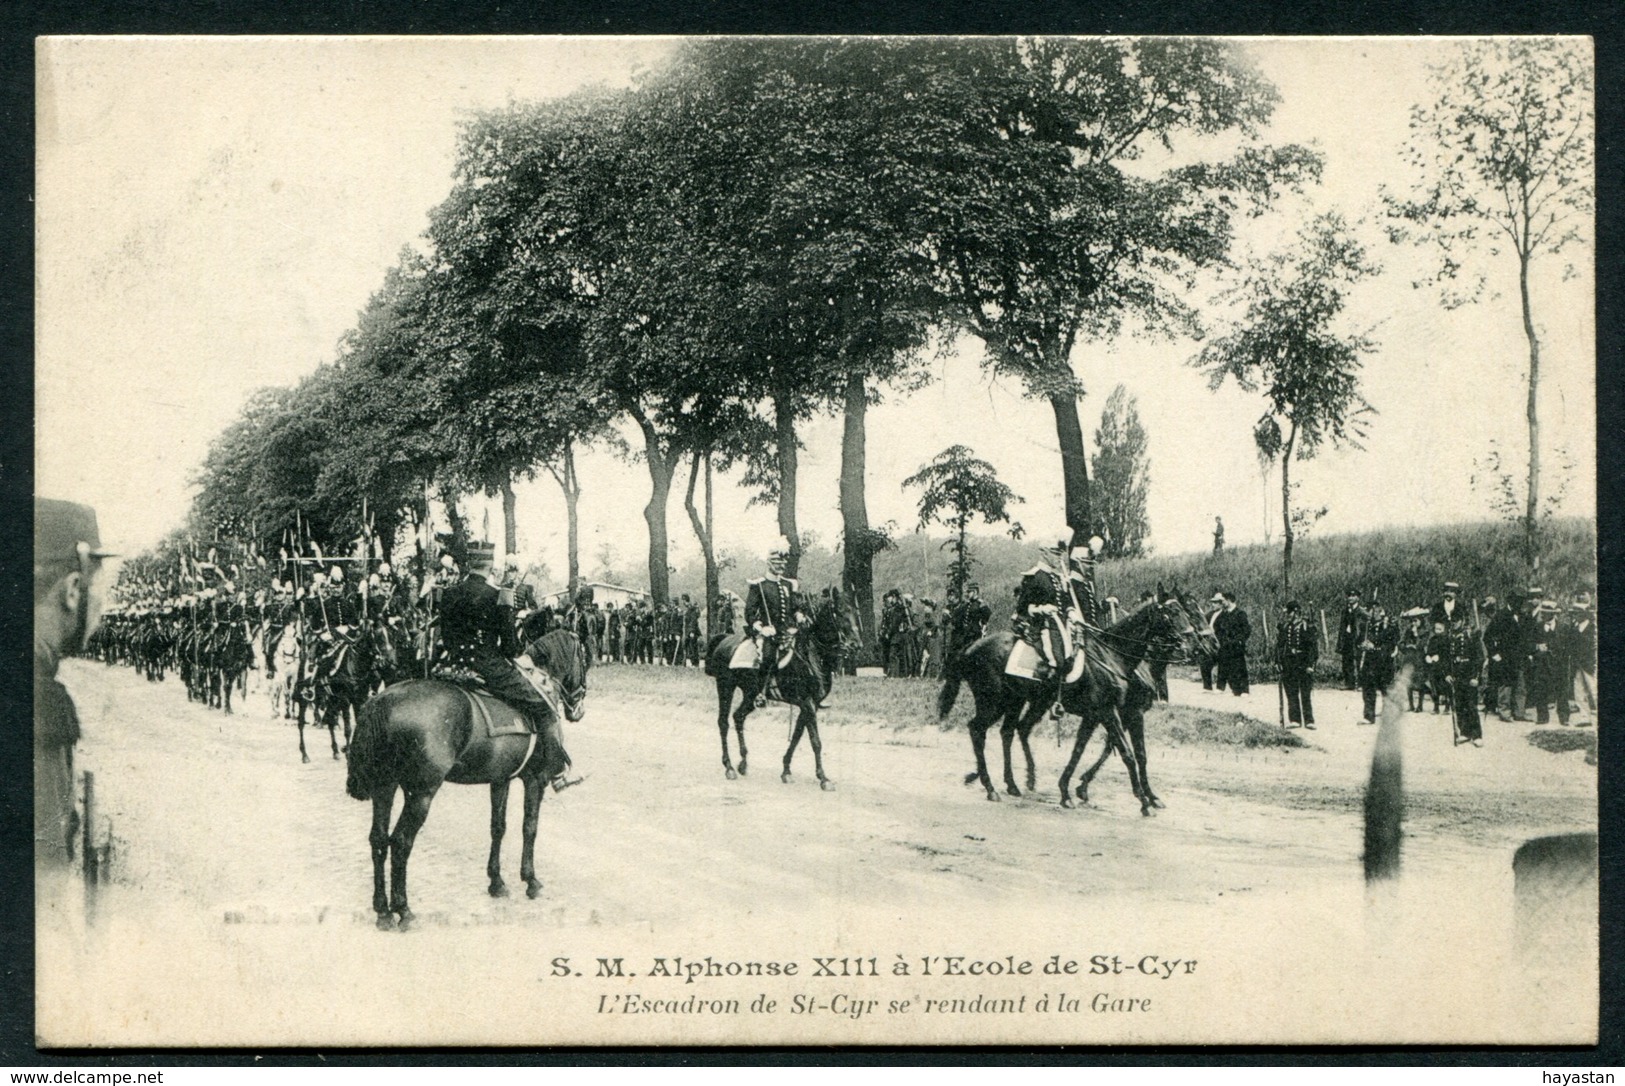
(956, 487)
(1122, 473)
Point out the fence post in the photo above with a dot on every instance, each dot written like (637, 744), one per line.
(87, 843)
(1325, 633)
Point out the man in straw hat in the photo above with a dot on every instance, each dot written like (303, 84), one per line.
(70, 586)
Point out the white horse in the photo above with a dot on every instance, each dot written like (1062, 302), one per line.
(285, 652)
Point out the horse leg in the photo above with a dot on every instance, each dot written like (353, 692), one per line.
(413, 813)
(1114, 725)
(327, 714)
(725, 697)
(347, 713)
(1136, 733)
(382, 800)
(978, 744)
(1086, 729)
(1027, 750)
(809, 711)
(534, 794)
(1007, 733)
(303, 757)
(230, 681)
(751, 686)
(499, 826)
(790, 752)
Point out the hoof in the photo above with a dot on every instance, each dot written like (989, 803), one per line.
(827, 785)
(1013, 790)
(785, 777)
(972, 778)
(533, 889)
(498, 890)
(993, 797)
(1066, 801)
(386, 921)
(408, 920)
(741, 767)
(1157, 803)
(336, 756)
(1147, 812)
(305, 758)
(731, 774)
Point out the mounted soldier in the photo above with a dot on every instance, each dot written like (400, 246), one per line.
(772, 607)
(1053, 602)
(477, 633)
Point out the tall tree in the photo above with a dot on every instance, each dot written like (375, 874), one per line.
(1504, 160)
(955, 488)
(1288, 346)
(1122, 476)
(1054, 225)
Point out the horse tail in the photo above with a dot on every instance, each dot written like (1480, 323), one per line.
(366, 752)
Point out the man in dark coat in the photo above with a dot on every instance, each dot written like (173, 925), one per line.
(1296, 650)
(1348, 630)
(1501, 637)
(1448, 610)
(1378, 644)
(967, 621)
(1464, 658)
(69, 587)
(477, 631)
(1580, 636)
(1233, 631)
(1549, 665)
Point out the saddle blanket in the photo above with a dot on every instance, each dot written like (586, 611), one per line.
(498, 716)
(1026, 662)
(747, 655)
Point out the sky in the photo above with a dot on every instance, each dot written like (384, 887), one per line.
(212, 214)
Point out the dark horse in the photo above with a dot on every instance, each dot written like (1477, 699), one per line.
(343, 683)
(1113, 692)
(418, 734)
(796, 681)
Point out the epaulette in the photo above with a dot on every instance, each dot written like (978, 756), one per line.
(756, 580)
(792, 582)
(1036, 569)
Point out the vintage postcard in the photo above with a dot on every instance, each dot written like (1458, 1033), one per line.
(838, 541)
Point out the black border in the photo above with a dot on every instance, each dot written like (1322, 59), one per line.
(21, 22)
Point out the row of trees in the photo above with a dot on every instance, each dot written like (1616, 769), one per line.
(761, 232)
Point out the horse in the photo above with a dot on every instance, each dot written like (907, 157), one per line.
(797, 682)
(1109, 693)
(1122, 689)
(419, 734)
(344, 682)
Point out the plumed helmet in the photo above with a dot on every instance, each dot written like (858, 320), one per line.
(336, 574)
(780, 548)
(383, 569)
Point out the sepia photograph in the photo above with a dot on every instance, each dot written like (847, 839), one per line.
(706, 541)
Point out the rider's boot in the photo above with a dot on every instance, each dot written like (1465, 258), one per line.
(553, 752)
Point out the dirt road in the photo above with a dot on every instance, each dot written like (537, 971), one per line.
(241, 910)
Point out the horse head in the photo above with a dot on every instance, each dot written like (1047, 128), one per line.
(565, 657)
(1194, 633)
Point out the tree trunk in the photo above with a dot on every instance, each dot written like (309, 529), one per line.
(565, 475)
(702, 531)
(784, 422)
(510, 521)
(1286, 511)
(1531, 520)
(1074, 463)
(459, 527)
(654, 513)
(961, 566)
(858, 562)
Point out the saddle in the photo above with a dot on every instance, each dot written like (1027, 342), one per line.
(498, 716)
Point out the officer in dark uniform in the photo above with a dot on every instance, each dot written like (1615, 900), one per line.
(1501, 652)
(1232, 630)
(1348, 639)
(69, 584)
(477, 632)
(1296, 650)
(1464, 658)
(771, 608)
(1448, 610)
(1378, 643)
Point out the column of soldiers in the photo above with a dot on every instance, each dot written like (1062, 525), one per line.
(639, 632)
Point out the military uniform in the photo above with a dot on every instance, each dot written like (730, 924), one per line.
(1464, 658)
(1348, 642)
(1379, 642)
(1296, 650)
(770, 603)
